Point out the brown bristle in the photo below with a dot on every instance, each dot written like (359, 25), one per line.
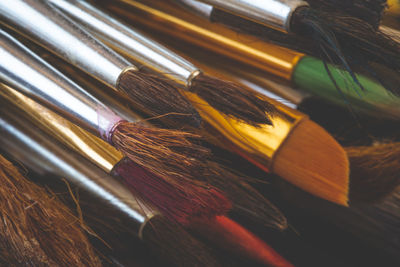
(36, 229)
(375, 170)
(168, 153)
(232, 100)
(157, 97)
(176, 244)
(311, 159)
(247, 201)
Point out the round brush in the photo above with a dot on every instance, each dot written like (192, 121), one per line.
(168, 154)
(36, 228)
(45, 25)
(44, 155)
(334, 34)
(226, 97)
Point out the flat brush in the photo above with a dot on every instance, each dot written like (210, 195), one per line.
(173, 202)
(334, 34)
(305, 72)
(295, 148)
(44, 155)
(36, 228)
(228, 98)
(34, 19)
(160, 151)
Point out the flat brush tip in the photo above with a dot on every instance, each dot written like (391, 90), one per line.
(311, 159)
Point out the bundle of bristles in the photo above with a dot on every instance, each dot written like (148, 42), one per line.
(38, 229)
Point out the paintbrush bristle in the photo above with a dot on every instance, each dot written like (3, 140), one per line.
(375, 170)
(233, 237)
(36, 228)
(170, 154)
(175, 244)
(232, 100)
(179, 205)
(312, 160)
(157, 97)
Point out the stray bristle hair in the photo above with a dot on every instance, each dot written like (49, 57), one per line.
(232, 100)
(312, 160)
(233, 237)
(157, 97)
(170, 154)
(175, 244)
(37, 229)
(375, 171)
(247, 201)
(347, 36)
(370, 11)
(178, 204)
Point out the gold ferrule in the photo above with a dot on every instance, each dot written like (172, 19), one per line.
(91, 147)
(393, 7)
(257, 144)
(173, 20)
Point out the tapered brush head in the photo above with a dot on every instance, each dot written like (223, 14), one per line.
(178, 204)
(232, 100)
(157, 97)
(312, 160)
(346, 37)
(375, 171)
(233, 237)
(247, 201)
(172, 241)
(370, 11)
(37, 229)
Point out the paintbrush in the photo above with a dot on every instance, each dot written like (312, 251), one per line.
(336, 35)
(270, 149)
(151, 94)
(247, 202)
(305, 72)
(36, 228)
(222, 230)
(43, 154)
(160, 151)
(227, 98)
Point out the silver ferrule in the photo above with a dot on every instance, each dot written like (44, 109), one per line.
(40, 152)
(23, 70)
(130, 42)
(275, 14)
(200, 9)
(51, 29)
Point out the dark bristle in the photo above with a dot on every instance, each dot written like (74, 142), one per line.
(170, 154)
(375, 171)
(157, 97)
(176, 244)
(344, 36)
(232, 100)
(247, 201)
(370, 11)
(178, 204)
(36, 228)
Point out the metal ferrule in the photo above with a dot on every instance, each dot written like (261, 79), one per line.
(45, 25)
(126, 40)
(272, 13)
(39, 151)
(200, 9)
(94, 149)
(25, 71)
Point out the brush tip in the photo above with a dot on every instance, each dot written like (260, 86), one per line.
(311, 159)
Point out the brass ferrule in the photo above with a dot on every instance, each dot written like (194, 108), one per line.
(393, 7)
(175, 21)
